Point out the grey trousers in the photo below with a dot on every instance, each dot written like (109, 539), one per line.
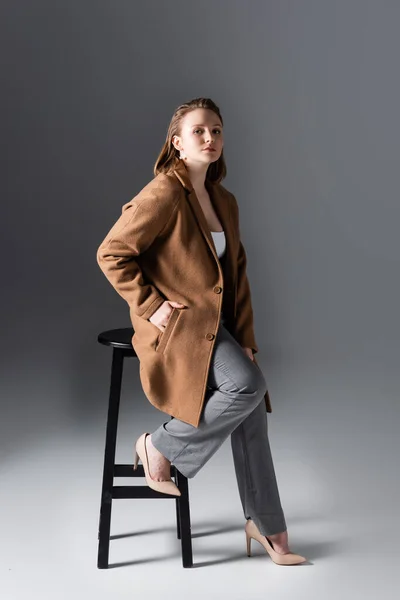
(234, 405)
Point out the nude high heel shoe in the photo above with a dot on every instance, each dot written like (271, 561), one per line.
(166, 487)
(289, 558)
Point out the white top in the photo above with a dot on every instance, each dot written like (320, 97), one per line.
(219, 241)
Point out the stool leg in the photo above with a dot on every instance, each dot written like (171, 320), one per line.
(178, 520)
(177, 505)
(109, 459)
(183, 514)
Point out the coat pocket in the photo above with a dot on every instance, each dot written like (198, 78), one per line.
(164, 336)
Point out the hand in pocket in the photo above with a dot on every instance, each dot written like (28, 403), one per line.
(161, 317)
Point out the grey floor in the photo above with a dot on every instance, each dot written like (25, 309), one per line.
(334, 455)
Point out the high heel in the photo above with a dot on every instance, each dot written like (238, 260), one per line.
(289, 558)
(166, 487)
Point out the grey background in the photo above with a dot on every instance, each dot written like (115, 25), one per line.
(309, 92)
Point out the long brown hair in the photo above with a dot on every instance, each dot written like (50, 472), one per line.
(169, 155)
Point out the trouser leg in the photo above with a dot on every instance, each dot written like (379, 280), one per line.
(236, 386)
(233, 405)
(255, 473)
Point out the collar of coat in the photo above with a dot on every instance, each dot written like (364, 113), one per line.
(221, 200)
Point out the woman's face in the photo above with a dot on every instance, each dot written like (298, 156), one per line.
(200, 127)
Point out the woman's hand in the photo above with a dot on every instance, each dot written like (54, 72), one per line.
(161, 316)
(249, 352)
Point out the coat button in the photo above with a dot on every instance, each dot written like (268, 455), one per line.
(217, 289)
(210, 336)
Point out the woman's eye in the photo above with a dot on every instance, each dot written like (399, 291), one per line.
(201, 130)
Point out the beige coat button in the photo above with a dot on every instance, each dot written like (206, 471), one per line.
(217, 289)
(210, 336)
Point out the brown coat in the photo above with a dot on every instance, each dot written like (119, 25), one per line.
(160, 249)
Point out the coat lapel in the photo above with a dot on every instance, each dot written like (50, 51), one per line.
(221, 207)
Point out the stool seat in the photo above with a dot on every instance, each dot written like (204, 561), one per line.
(118, 338)
(120, 342)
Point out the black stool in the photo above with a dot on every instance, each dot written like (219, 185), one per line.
(120, 340)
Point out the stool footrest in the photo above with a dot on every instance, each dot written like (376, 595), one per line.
(139, 491)
(127, 471)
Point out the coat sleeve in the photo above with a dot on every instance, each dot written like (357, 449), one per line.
(244, 320)
(138, 226)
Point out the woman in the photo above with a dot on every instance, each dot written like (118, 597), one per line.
(176, 257)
